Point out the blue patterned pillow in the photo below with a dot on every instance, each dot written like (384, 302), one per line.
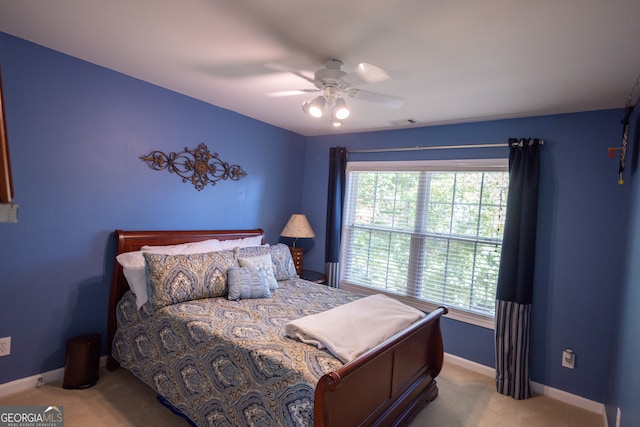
(262, 263)
(283, 266)
(246, 283)
(177, 278)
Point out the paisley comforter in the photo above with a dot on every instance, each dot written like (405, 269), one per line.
(229, 363)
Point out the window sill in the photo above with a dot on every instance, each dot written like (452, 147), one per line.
(455, 314)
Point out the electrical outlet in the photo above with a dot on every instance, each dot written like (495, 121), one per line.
(568, 359)
(5, 346)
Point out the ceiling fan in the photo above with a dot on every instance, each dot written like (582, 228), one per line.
(333, 82)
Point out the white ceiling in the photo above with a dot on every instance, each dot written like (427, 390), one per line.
(452, 60)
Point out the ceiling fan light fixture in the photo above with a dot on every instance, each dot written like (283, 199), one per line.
(336, 123)
(334, 83)
(340, 110)
(316, 107)
(305, 107)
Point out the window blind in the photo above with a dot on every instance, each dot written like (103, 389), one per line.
(430, 231)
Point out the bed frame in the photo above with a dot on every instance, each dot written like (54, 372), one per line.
(387, 385)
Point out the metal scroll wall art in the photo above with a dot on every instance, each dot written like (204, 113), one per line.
(197, 166)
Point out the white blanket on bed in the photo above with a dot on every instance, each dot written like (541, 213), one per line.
(351, 329)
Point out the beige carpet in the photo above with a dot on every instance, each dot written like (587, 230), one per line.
(466, 399)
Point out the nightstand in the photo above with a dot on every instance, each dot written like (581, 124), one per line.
(314, 276)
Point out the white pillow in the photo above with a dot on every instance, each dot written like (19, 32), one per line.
(211, 245)
(133, 265)
(133, 268)
(241, 243)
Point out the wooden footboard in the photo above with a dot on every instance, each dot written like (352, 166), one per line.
(388, 384)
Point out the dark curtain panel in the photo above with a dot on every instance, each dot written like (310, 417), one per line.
(515, 279)
(335, 201)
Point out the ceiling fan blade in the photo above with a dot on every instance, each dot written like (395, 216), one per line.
(282, 93)
(388, 101)
(366, 73)
(284, 68)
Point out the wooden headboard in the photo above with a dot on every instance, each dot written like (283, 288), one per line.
(128, 241)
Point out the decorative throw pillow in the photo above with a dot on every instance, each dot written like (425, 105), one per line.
(177, 278)
(262, 263)
(283, 266)
(246, 283)
(133, 265)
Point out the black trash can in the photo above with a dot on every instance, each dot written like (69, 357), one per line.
(82, 362)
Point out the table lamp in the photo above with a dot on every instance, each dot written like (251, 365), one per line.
(297, 228)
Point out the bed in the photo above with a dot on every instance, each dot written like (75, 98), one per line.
(282, 381)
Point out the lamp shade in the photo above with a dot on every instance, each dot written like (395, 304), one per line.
(298, 227)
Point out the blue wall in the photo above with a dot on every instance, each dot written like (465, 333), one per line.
(76, 131)
(624, 386)
(578, 260)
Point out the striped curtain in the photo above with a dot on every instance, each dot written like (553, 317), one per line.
(335, 202)
(515, 278)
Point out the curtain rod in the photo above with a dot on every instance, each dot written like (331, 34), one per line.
(433, 147)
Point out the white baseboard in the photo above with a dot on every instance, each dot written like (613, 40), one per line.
(23, 384)
(536, 388)
(487, 371)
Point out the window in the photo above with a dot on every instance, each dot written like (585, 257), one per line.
(428, 232)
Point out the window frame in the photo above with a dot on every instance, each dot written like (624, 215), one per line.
(457, 165)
